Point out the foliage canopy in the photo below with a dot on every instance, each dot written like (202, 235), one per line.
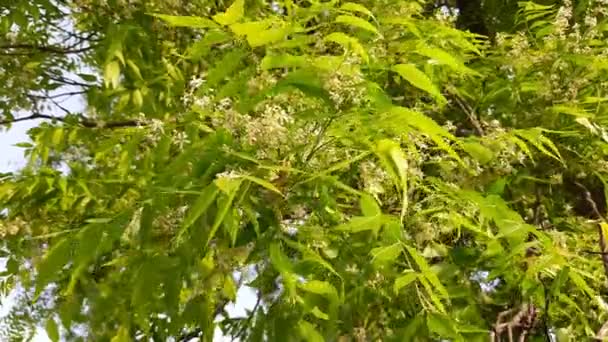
(373, 169)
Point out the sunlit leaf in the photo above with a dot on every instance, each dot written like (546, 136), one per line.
(404, 281)
(418, 79)
(386, 254)
(348, 43)
(357, 22)
(233, 14)
(186, 21)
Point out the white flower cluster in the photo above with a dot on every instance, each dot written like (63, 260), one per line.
(346, 89)
(12, 227)
(270, 129)
(374, 178)
(519, 45)
(562, 20)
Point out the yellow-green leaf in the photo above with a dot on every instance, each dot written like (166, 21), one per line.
(52, 263)
(369, 205)
(571, 110)
(426, 271)
(112, 74)
(137, 98)
(263, 183)
(266, 37)
(250, 27)
(357, 22)
(198, 208)
(52, 330)
(186, 21)
(353, 7)
(319, 314)
(309, 333)
(322, 288)
(348, 43)
(284, 60)
(404, 280)
(476, 150)
(233, 14)
(444, 58)
(224, 205)
(418, 79)
(360, 224)
(386, 254)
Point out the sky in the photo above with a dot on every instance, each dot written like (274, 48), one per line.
(11, 159)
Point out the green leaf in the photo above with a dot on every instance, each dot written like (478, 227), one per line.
(224, 206)
(186, 21)
(418, 79)
(381, 255)
(442, 57)
(52, 331)
(571, 110)
(321, 288)
(225, 67)
(395, 161)
(310, 255)
(360, 224)
(348, 43)
(476, 150)
(404, 281)
(52, 263)
(357, 22)
(112, 74)
(441, 325)
(319, 314)
(285, 60)
(399, 116)
(309, 333)
(426, 271)
(122, 335)
(203, 46)
(353, 7)
(581, 283)
(369, 205)
(270, 36)
(262, 183)
(233, 14)
(283, 265)
(251, 27)
(278, 259)
(538, 140)
(197, 209)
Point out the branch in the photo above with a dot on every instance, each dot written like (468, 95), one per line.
(48, 97)
(470, 114)
(42, 48)
(82, 122)
(69, 81)
(602, 238)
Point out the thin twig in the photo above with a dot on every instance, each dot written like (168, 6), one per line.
(241, 332)
(596, 211)
(43, 48)
(48, 97)
(470, 114)
(82, 121)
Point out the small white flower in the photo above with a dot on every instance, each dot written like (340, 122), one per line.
(180, 139)
(157, 126)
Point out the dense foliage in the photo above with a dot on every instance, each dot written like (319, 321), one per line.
(374, 169)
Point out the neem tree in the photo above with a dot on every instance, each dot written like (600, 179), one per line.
(374, 170)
